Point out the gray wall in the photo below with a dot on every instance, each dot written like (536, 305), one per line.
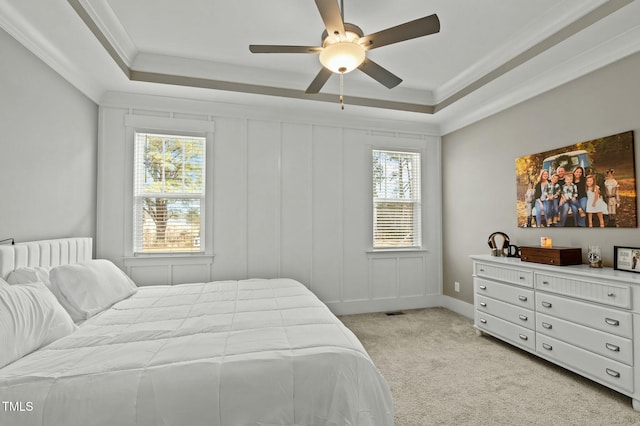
(478, 163)
(48, 150)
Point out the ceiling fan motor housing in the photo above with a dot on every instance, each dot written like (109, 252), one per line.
(348, 28)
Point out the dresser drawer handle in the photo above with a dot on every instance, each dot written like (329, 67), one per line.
(483, 304)
(611, 294)
(481, 269)
(483, 287)
(611, 321)
(522, 278)
(547, 346)
(547, 325)
(523, 317)
(523, 298)
(546, 305)
(545, 282)
(523, 337)
(612, 347)
(612, 373)
(482, 320)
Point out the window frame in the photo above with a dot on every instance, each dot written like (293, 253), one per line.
(178, 127)
(417, 204)
(139, 197)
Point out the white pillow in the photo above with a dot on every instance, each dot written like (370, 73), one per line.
(30, 317)
(88, 288)
(30, 274)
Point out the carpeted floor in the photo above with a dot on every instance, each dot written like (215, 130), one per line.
(442, 373)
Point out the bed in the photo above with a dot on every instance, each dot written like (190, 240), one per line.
(249, 352)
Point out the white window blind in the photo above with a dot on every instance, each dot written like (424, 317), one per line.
(169, 192)
(396, 199)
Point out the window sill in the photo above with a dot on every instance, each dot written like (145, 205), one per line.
(167, 254)
(387, 251)
(175, 258)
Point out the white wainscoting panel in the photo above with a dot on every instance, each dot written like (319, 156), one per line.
(263, 198)
(230, 218)
(327, 232)
(296, 243)
(384, 278)
(168, 269)
(289, 199)
(411, 276)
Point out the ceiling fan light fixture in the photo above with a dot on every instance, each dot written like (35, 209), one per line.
(342, 57)
(344, 45)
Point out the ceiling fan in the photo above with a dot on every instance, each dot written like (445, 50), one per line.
(344, 45)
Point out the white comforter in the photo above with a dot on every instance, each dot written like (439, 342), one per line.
(254, 352)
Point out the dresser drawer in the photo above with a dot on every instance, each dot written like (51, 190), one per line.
(506, 311)
(515, 295)
(606, 293)
(602, 318)
(510, 275)
(604, 370)
(506, 330)
(609, 345)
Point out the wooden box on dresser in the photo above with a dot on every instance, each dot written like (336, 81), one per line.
(578, 317)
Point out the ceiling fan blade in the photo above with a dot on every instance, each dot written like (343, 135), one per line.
(407, 31)
(331, 16)
(267, 48)
(379, 74)
(319, 81)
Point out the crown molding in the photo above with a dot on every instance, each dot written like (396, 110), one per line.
(106, 20)
(352, 117)
(486, 98)
(561, 16)
(559, 36)
(599, 56)
(33, 39)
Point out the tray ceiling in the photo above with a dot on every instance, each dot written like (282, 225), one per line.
(488, 55)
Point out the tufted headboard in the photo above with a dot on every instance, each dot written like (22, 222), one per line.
(55, 252)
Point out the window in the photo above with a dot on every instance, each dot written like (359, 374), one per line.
(396, 199)
(169, 193)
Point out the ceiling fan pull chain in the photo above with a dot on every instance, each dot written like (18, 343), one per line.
(341, 90)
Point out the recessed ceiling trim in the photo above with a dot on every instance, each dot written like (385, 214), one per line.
(153, 77)
(99, 34)
(559, 36)
(109, 23)
(598, 57)
(559, 16)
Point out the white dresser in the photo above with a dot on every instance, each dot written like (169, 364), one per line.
(578, 317)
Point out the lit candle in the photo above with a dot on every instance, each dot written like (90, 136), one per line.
(546, 242)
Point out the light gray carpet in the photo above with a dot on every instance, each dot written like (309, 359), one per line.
(442, 373)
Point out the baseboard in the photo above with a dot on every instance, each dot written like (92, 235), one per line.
(398, 304)
(384, 305)
(457, 306)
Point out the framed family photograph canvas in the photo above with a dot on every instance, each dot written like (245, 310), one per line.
(590, 184)
(626, 258)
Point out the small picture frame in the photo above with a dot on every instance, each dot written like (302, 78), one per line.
(626, 258)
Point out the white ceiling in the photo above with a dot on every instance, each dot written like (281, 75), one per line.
(489, 54)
